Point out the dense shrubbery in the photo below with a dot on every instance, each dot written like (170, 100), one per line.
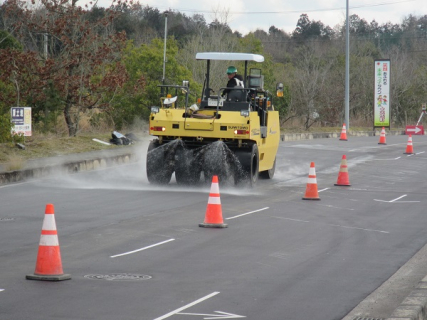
(5, 128)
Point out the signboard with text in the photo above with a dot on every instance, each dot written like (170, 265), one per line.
(21, 120)
(382, 94)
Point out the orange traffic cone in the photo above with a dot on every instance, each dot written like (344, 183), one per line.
(343, 179)
(343, 133)
(382, 137)
(213, 217)
(409, 146)
(49, 265)
(311, 189)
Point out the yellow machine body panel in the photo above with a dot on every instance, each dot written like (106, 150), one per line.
(268, 146)
(232, 132)
(231, 125)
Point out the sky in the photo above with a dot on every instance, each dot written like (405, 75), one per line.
(246, 16)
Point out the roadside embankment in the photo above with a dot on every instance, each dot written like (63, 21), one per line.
(70, 163)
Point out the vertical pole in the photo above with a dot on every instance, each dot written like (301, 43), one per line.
(207, 92)
(45, 46)
(246, 74)
(347, 71)
(164, 51)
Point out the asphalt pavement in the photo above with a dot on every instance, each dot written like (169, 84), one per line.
(403, 296)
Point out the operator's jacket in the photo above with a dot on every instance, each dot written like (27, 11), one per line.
(236, 81)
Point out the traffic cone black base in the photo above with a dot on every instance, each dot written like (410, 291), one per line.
(48, 278)
(213, 225)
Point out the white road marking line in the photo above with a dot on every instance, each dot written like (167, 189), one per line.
(330, 206)
(384, 159)
(137, 250)
(420, 152)
(187, 306)
(395, 200)
(219, 315)
(298, 220)
(323, 190)
(1, 290)
(244, 214)
(15, 184)
(333, 225)
(389, 145)
(279, 255)
(398, 198)
(346, 227)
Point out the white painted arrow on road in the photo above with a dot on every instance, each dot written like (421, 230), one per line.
(221, 315)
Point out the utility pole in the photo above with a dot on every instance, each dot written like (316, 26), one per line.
(45, 45)
(164, 51)
(347, 70)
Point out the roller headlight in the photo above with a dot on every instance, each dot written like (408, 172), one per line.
(155, 109)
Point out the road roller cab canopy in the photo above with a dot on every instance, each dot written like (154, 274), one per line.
(229, 56)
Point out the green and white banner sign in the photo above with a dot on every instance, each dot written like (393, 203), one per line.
(382, 94)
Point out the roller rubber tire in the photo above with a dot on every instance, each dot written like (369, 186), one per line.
(187, 170)
(268, 174)
(157, 170)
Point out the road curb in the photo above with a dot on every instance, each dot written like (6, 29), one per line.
(414, 306)
(68, 167)
(309, 136)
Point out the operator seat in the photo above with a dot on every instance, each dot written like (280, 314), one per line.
(237, 95)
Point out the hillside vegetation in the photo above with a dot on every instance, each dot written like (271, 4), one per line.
(103, 65)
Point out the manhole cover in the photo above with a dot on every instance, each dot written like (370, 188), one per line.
(7, 219)
(118, 276)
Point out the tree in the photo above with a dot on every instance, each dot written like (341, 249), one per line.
(307, 29)
(80, 65)
(217, 37)
(7, 41)
(308, 82)
(358, 26)
(144, 65)
(277, 43)
(7, 88)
